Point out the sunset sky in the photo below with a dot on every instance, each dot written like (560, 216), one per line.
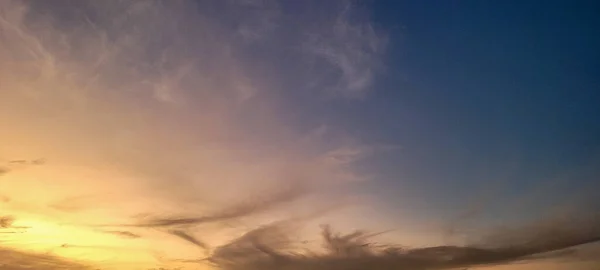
(143, 134)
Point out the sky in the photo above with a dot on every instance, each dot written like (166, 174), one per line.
(202, 134)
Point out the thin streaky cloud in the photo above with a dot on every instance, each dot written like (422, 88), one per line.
(124, 234)
(190, 238)
(19, 260)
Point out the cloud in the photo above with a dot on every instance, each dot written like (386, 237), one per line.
(331, 48)
(189, 238)
(268, 247)
(161, 91)
(10, 165)
(6, 221)
(124, 234)
(259, 19)
(256, 205)
(17, 260)
(352, 49)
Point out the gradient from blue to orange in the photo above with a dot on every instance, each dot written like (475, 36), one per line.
(439, 120)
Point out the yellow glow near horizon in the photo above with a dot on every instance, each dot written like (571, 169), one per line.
(129, 129)
(92, 245)
(43, 226)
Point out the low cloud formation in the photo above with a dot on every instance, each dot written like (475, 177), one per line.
(18, 260)
(267, 248)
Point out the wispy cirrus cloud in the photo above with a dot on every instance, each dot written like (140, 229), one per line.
(124, 234)
(171, 108)
(351, 50)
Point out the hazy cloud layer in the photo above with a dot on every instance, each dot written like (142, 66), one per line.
(168, 114)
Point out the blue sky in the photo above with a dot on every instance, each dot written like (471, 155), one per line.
(486, 99)
(488, 102)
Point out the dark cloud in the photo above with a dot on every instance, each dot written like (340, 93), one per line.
(7, 227)
(9, 165)
(268, 248)
(21, 161)
(189, 238)
(6, 221)
(39, 161)
(246, 208)
(267, 243)
(124, 234)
